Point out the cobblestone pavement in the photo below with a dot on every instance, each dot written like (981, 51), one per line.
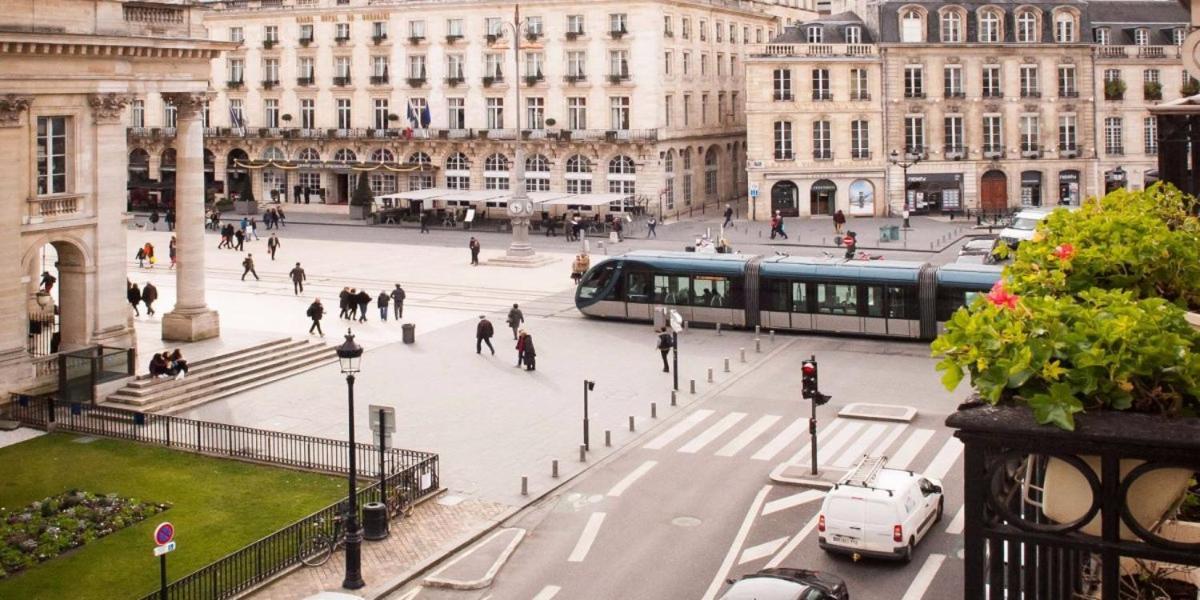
(433, 529)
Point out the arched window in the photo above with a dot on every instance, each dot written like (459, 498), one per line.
(1027, 28)
(669, 188)
(383, 155)
(622, 175)
(912, 26)
(345, 155)
(495, 172)
(273, 153)
(1064, 28)
(952, 26)
(309, 155)
(458, 174)
(710, 173)
(989, 27)
(579, 175)
(419, 158)
(537, 173)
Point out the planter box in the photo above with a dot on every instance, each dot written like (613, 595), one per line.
(243, 207)
(359, 212)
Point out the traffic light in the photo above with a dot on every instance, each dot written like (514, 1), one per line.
(809, 388)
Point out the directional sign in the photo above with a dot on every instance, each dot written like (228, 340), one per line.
(753, 191)
(382, 417)
(164, 533)
(676, 321)
(165, 548)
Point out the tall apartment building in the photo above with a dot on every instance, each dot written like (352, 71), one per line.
(640, 99)
(983, 106)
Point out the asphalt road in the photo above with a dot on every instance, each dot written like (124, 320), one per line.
(690, 503)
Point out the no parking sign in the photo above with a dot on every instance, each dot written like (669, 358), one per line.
(164, 533)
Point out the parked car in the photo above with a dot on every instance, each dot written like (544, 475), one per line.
(1025, 222)
(787, 584)
(879, 512)
(980, 251)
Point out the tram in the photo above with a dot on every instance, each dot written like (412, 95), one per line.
(881, 298)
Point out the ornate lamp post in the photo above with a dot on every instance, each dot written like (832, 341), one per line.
(904, 164)
(350, 357)
(520, 207)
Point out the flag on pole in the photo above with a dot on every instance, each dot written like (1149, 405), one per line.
(235, 120)
(411, 114)
(425, 117)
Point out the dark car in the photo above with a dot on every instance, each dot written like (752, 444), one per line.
(787, 584)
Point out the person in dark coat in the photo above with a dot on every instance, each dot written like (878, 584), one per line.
(315, 312)
(298, 277)
(173, 251)
(483, 335)
(154, 219)
(149, 295)
(47, 281)
(520, 348)
(240, 236)
(665, 342)
(272, 245)
(839, 221)
(728, 216)
(248, 266)
(515, 318)
(530, 353)
(159, 367)
(474, 246)
(364, 301)
(134, 296)
(382, 303)
(344, 303)
(177, 364)
(170, 218)
(398, 301)
(424, 221)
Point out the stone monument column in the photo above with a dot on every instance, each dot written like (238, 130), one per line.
(15, 134)
(192, 319)
(103, 285)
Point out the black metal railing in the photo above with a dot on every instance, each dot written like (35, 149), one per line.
(1023, 539)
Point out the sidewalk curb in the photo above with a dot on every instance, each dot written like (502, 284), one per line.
(419, 569)
(486, 580)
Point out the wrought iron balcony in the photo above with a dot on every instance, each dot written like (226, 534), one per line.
(379, 79)
(341, 81)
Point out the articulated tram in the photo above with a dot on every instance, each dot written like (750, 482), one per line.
(869, 298)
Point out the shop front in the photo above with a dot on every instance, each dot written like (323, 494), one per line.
(1068, 187)
(1031, 188)
(934, 192)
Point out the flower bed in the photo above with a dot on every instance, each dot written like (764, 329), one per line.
(51, 526)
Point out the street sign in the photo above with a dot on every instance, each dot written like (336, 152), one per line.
(848, 241)
(387, 414)
(165, 548)
(753, 191)
(164, 533)
(676, 321)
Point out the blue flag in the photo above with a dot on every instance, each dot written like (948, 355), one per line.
(425, 117)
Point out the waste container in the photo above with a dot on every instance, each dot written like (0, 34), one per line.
(894, 231)
(375, 521)
(410, 332)
(889, 233)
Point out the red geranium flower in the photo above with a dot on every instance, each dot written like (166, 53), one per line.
(1001, 297)
(1064, 252)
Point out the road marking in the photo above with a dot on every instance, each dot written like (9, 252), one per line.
(804, 455)
(738, 540)
(624, 484)
(547, 592)
(794, 500)
(754, 553)
(920, 583)
(678, 429)
(881, 449)
(946, 457)
(786, 437)
(411, 593)
(831, 447)
(791, 546)
(861, 444)
(909, 449)
(743, 439)
(586, 538)
(956, 524)
(699, 442)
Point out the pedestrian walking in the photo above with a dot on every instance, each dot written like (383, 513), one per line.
(282, 220)
(839, 221)
(226, 237)
(216, 220)
(173, 251)
(47, 282)
(474, 246)
(241, 238)
(530, 353)
(134, 296)
(424, 222)
(398, 301)
(149, 295)
(650, 225)
(272, 245)
(520, 348)
(665, 343)
(905, 215)
(297, 276)
(253, 231)
(777, 226)
(483, 335)
(515, 318)
(248, 267)
(140, 256)
(728, 216)
(154, 219)
(617, 228)
(244, 225)
(344, 303)
(382, 304)
(170, 218)
(576, 228)
(315, 312)
(364, 302)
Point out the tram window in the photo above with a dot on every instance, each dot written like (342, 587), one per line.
(777, 295)
(672, 289)
(835, 299)
(710, 291)
(799, 297)
(901, 303)
(639, 288)
(874, 301)
(596, 281)
(950, 300)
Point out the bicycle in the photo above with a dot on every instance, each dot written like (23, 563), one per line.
(397, 502)
(317, 550)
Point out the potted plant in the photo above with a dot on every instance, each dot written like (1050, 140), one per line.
(1190, 88)
(361, 200)
(1152, 90)
(1114, 89)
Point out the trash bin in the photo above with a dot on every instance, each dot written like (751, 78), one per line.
(375, 521)
(410, 332)
(894, 232)
(885, 233)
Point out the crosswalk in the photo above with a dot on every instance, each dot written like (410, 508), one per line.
(841, 442)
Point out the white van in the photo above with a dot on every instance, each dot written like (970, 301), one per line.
(879, 512)
(1025, 222)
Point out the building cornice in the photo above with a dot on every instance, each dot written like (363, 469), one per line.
(747, 8)
(60, 44)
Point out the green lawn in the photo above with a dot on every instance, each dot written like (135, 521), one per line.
(218, 507)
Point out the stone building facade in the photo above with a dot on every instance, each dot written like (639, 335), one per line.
(70, 69)
(985, 107)
(642, 99)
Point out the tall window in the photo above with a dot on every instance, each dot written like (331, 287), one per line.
(912, 26)
(854, 34)
(306, 33)
(822, 148)
(703, 109)
(687, 109)
(783, 84)
(952, 27)
(860, 139)
(1141, 37)
(271, 34)
(535, 113)
(618, 63)
(379, 30)
(577, 112)
(1178, 35)
(236, 114)
(458, 172)
(1066, 81)
(379, 68)
(534, 62)
(1150, 134)
(237, 34)
(685, 28)
(686, 63)
(1151, 76)
(1067, 132)
(618, 112)
(1112, 75)
(577, 63)
(171, 116)
(914, 134)
(814, 34)
(534, 25)
(668, 100)
(914, 81)
(495, 113)
(493, 26)
(622, 175)
(381, 113)
(52, 155)
(493, 65)
(341, 67)
(991, 81)
(1064, 28)
(137, 113)
(343, 113)
(618, 23)
(308, 113)
(237, 70)
(1031, 140)
(820, 85)
(575, 24)
(993, 134)
(271, 70)
(416, 66)
(1030, 87)
(783, 141)
(1101, 36)
(579, 175)
(537, 174)
(305, 68)
(1027, 29)
(858, 85)
(989, 27)
(1113, 136)
(454, 66)
(341, 32)
(710, 172)
(271, 112)
(952, 81)
(456, 113)
(495, 172)
(953, 133)
(416, 29)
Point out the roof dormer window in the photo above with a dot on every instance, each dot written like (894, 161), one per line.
(814, 34)
(1027, 28)
(1101, 36)
(912, 26)
(1064, 28)
(1141, 36)
(854, 34)
(1178, 35)
(952, 27)
(989, 27)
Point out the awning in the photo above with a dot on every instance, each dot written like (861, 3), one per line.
(473, 195)
(425, 194)
(587, 199)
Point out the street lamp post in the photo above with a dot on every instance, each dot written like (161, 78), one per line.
(904, 164)
(587, 387)
(520, 208)
(350, 356)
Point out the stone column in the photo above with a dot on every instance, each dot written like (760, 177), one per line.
(15, 142)
(192, 319)
(101, 285)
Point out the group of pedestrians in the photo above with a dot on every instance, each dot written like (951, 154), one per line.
(168, 365)
(147, 295)
(153, 219)
(274, 218)
(354, 303)
(526, 353)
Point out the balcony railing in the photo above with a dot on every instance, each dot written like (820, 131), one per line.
(822, 95)
(379, 39)
(235, 84)
(304, 81)
(379, 79)
(1031, 93)
(993, 93)
(53, 207)
(415, 81)
(490, 80)
(825, 50)
(270, 83)
(617, 34)
(531, 80)
(954, 152)
(305, 41)
(452, 38)
(993, 151)
(455, 80)
(341, 39)
(574, 35)
(1166, 52)
(418, 39)
(609, 135)
(576, 78)
(1115, 150)
(269, 44)
(617, 78)
(1031, 150)
(341, 81)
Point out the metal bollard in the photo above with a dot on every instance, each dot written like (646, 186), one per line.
(607, 438)
(673, 401)
(692, 385)
(757, 330)
(631, 423)
(653, 410)
(772, 336)
(757, 345)
(554, 469)
(718, 329)
(742, 352)
(582, 453)
(685, 325)
(524, 486)
(727, 365)
(710, 375)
